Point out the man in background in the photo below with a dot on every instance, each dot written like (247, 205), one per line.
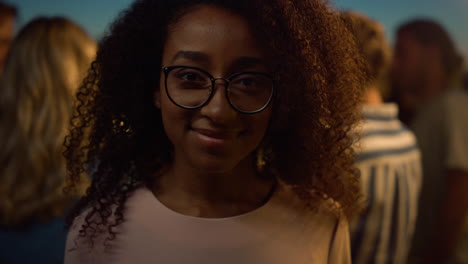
(388, 159)
(427, 80)
(7, 28)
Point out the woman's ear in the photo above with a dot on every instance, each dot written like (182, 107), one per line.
(157, 99)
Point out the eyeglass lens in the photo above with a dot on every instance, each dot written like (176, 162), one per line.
(248, 92)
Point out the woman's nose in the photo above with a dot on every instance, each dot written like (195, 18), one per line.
(218, 109)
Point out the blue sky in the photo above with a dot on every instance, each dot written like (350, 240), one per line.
(95, 15)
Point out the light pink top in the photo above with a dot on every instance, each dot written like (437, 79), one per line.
(282, 231)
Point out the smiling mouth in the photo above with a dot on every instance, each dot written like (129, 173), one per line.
(214, 134)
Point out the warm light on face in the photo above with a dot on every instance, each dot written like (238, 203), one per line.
(206, 129)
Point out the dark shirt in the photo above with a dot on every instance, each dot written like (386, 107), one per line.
(36, 243)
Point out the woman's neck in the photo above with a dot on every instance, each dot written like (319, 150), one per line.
(212, 195)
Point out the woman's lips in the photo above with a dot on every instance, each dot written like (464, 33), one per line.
(213, 138)
(218, 134)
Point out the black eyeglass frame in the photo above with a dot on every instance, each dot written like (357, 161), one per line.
(168, 69)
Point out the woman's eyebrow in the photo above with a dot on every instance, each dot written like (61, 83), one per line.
(192, 55)
(239, 63)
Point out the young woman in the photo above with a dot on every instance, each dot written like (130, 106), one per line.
(217, 132)
(47, 61)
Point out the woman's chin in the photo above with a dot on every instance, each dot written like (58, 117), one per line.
(215, 164)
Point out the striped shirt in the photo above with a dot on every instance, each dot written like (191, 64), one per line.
(390, 166)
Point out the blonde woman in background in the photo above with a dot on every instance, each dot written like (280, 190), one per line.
(48, 59)
(388, 158)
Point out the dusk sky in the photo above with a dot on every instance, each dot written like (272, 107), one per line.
(95, 15)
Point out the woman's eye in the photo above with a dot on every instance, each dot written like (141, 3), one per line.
(247, 82)
(190, 76)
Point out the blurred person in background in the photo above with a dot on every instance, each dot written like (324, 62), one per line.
(45, 66)
(388, 158)
(7, 30)
(427, 80)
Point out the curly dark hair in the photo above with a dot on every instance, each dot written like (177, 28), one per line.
(117, 133)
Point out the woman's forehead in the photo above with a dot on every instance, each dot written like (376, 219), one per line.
(211, 18)
(211, 33)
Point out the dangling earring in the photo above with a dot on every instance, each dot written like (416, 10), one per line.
(261, 159)
(264, 156)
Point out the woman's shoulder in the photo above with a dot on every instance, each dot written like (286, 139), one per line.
(321, 224)
(327, 223)
(84, 245)
(320, 209)
(92, 238)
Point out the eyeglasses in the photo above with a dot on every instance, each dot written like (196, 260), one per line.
(191, 88)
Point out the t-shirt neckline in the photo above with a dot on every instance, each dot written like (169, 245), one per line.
(165, 209)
